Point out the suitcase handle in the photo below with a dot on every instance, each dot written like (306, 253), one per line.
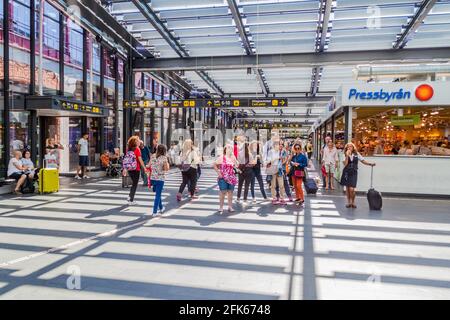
(371, 177)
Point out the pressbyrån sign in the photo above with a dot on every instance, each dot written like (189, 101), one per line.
(395, 94)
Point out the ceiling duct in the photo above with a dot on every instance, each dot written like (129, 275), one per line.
(367, 72)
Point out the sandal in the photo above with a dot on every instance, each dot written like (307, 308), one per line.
(348, 206)
(353, 206)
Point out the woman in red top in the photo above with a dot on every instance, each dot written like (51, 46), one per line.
(133, 145)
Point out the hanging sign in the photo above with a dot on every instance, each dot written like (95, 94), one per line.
(410, 120)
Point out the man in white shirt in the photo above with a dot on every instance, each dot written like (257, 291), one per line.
(83, 153)
(329, 160)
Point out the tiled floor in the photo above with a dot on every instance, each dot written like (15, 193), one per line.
(322, 251)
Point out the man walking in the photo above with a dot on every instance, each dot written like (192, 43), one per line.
(83, 153)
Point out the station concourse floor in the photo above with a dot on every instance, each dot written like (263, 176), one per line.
(322, 251)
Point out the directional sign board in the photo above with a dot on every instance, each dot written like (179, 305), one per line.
(268, 102)
(139, 104)
(208, 103)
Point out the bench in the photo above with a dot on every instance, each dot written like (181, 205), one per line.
(7, 186)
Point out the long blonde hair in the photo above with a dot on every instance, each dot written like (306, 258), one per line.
(355, 151)
(187, 147)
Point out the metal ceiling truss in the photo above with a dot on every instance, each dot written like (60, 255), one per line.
(306, 59)
(414, 23)
(249, 49)
(173, 42)
(322, 40)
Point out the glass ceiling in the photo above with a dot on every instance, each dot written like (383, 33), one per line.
(207, 28)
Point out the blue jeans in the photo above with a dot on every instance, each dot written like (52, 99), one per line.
(158, 186)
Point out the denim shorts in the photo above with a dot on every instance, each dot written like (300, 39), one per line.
(225, 186)
(83, 161)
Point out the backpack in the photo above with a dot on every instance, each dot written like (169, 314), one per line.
(129, 162)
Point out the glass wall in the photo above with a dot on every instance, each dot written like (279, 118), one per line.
(93, 70)
(339, 130)
(109, 99)
(404, 131)
(120, 95)
(19, 46)
(50, 50)
(19, 137)
(2, 80)
(73, 60)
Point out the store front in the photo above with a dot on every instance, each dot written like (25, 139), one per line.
(404, 127)
(65, 121)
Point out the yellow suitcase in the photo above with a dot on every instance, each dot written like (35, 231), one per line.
(48, 180)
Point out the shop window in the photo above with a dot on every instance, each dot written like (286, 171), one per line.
(19, 46)
(404, 131)
(93, 70)
(120, 96)
(19, 137)
(50, 49)
(2, 80)
(339, 131)
(109, 98)
(73, 60)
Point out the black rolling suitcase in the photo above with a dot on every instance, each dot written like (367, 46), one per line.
(310, 184)
(374, 197)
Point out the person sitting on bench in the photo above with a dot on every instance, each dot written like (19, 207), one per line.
(16, 171)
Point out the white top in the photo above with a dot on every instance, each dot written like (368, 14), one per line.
(330, 156)
(28, 163)
(360, 157)
(12, 166)
(84, 147)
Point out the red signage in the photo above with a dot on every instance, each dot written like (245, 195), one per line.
(424, 92)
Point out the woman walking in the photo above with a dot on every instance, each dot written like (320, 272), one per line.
(350, 173)
(226, 177)
(298, 164)
(159, 165)
(256, 171)
(132, 164)
(189, 162)
(245, 171)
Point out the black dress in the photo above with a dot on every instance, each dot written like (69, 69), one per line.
(350, 173)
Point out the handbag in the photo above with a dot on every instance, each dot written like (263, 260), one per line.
(299, 173)
(324, 171)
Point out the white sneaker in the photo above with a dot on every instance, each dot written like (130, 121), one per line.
(161, 211)
(254, 200)
(77, 177)
(132, 203)
(238, 200)
(86, 177)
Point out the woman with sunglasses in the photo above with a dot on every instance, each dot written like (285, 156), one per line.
(298, 164)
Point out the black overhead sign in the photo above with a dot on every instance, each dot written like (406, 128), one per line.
(208, 103)
(61, 104)
(270, 125)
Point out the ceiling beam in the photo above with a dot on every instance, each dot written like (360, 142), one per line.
(247, 45)
(97, 20)
(206, 78)
(323, 26)
(308, 59)
(159, 26)
(232, 5)
(414, 23)
(262, 81)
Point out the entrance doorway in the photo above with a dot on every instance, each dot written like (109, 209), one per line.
(66, 131)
